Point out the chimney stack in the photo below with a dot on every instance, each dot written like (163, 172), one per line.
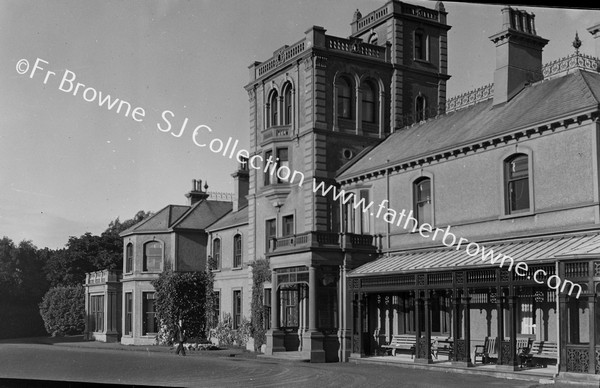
(595, 31)
(196, 194)
(241, 183)
(518, 54)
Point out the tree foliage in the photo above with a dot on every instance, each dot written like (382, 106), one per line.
(22, 278)
(89, 253)
(261, 273)
(63, 310)
(187, 296)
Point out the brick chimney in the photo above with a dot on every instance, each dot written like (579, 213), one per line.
(518, 54)
(196, 194)
(241, 183)
(595, 31)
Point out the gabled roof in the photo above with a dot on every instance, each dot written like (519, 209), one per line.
(542, 102)
(198, 216)
(232, 219)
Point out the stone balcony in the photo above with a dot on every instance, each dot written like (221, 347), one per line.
(102, 277)
(321, 240)
(277, 132)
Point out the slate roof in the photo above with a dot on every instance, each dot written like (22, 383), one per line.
(539, 103)
(176, 217)
(231, 219)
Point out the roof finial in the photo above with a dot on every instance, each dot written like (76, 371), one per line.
(577, 43)
(357, 15)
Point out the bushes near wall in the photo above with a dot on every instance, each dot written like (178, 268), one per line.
(187, 296)
(63, 310)
(261, 273)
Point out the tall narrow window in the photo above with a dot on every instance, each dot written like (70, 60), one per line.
(369, 103)
(423, 204)
(289, 306)
(344, 96)
(267, 309)
(274, 106)
(129, 258)
(97, 312)
(270, 232)
(128, 313)
(517, 184)
(420, 108)
(268, 155)
(149, 324)
(287, 225)
(216, 253)
(350, 214)
(364, 216)
(287, 103)
(420, 45)
(283, 160)
(237, 251)
(153, 255)
(237, 309)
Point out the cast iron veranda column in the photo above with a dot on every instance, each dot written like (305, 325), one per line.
(456, 323)
(500, 319)
(466, 300)
(592, 329)
(512, 319)
(418, 324)
(427, 327)
(564, 335)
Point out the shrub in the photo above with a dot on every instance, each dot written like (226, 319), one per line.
(63, 310)
(183, 295)
(227, 335)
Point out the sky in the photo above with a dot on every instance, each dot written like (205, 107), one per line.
(69, 166)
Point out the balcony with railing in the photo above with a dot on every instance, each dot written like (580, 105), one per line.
(315, 240)
(277, 132)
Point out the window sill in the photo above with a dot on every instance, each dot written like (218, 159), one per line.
(237, 268)
(424, 61)
(517, 215)
(215, 270)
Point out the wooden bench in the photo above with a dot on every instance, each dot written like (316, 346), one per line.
(486, 351)
(408, 342)
(523, 348)
(543, 351)
(401, 342)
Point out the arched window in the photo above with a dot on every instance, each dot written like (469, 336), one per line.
(237, 251)
(153, 256)
(216, 251)
(274, 106)
(344, 96)
(287, 105)
(516, 176)
(423, 207)
(420, 108)
(129, 258)
(369, 103)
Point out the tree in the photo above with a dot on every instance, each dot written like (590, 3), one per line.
(183, 295)
(89, 253)
(63, 310)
